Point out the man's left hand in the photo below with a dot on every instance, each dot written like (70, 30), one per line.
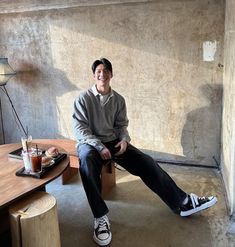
(122, 145)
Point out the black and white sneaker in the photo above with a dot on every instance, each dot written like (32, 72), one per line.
(196, 204)
(102, 234)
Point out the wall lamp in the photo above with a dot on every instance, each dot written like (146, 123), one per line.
(6, 72)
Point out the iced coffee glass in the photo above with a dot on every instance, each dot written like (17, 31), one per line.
(36, 160)
(26, 160)
(26, 142)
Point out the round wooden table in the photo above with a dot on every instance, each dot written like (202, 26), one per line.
(13, 187)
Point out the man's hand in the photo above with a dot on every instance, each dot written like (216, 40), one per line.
(105, 154)
(122, 145)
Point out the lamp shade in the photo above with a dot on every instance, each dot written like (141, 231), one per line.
(6, 71)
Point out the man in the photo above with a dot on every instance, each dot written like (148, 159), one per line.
(100, 126)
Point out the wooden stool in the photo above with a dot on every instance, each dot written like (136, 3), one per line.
(34, 221)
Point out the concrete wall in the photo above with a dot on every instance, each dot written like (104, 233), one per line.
(173, 96)
(228, 137)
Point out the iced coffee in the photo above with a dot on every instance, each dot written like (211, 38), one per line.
(36, 160)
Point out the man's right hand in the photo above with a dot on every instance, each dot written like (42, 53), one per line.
(105, 154)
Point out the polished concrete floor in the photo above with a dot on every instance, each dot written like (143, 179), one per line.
(139, 218)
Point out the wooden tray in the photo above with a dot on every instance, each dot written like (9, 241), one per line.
(45, 169)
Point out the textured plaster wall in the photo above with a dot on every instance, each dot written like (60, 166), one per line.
(173, 96)
(228, 137)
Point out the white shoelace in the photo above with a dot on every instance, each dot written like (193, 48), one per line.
(194, 200)
(102, 225)
(101, 222)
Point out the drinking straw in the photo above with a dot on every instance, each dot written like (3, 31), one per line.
(27, 132)
(37, 149)
(38, 158)
(27, 148)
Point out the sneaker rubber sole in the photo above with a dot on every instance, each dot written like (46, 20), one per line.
(199, 208)
(103, 242)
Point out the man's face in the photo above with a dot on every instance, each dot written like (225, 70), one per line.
(102, 76)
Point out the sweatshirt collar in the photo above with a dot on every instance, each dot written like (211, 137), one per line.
(96, 93)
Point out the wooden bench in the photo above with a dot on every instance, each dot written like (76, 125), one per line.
(108, 177)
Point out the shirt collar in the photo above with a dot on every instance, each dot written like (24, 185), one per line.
(96, 93)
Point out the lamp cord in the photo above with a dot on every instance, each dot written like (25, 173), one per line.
(14, 110)
(3, 133)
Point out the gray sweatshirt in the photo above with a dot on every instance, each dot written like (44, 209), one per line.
(95, 122)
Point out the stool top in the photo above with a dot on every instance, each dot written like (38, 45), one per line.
(33, 205)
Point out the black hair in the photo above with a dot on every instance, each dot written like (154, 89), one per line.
(107, 64)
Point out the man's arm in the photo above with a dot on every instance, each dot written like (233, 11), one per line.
(81, 128)
(121, 123)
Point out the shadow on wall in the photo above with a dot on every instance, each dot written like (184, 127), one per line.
(39, 109)
(201, 134)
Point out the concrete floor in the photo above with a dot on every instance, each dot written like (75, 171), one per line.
(139, 218)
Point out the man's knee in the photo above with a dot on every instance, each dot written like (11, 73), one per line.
(86, 151)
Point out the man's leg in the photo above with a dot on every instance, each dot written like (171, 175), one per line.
(142, 165)
(90, 170)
